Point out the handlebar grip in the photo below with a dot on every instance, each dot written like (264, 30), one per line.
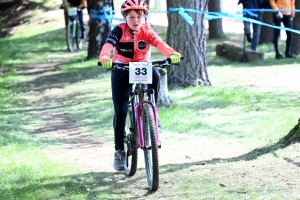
(169, 60)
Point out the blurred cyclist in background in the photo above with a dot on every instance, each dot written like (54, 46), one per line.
(80, 4)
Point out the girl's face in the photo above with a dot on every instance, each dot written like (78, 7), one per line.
(134, 20)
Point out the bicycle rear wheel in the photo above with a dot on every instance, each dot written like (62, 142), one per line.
(70, 36)
(79, 39)
(151, 148)
(130, 146)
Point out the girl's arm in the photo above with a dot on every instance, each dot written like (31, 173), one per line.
(166, 50)
(105, 52)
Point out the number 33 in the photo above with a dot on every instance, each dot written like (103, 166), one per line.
(141, 71)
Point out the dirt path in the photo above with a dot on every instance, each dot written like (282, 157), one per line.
(76, 144)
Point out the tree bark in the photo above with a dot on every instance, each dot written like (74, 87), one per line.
(215, 27)
(266, 33)
(99, 26)
(295, 49)
(190, 41)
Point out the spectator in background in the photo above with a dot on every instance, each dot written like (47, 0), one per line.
(285, 16)
(252, 4)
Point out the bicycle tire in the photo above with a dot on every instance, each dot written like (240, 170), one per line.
(69, 36)
(151, 148)
(130, 147)
(79, 40)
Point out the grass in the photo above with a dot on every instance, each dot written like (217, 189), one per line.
(219, 142)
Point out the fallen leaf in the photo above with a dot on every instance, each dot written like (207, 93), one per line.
(222, 185)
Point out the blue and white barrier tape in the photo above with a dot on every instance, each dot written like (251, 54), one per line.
(106, 14)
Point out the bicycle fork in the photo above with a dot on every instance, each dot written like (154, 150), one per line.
(138, 111)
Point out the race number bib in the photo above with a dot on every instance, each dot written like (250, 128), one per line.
(140, 72)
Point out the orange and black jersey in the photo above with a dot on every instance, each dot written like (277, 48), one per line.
(132, 46)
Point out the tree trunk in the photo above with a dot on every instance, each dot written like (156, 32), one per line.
(215, 27)
(190, 41)
(266, 33)
(99, 26)
(295, 49)
(293, 136)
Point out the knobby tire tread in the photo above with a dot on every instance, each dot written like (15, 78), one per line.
(69, 37)
(149, 127)
(78, 36)
(133, 158)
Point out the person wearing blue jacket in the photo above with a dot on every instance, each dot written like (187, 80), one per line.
(252, 4)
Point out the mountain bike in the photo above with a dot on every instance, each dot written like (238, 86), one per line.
(142, 120)
(73, 28)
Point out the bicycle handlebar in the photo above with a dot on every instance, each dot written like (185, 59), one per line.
(157, 63)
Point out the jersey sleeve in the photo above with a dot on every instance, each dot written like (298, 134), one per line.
(112, 39)
(273, 4)
(114, 36)
(158, 43)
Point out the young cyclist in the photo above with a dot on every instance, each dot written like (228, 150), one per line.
(130, 42)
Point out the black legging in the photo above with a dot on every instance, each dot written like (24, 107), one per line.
(287, 22)
(80, 18)
(120, 94)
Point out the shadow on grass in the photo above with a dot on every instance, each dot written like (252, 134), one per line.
(93, 185)
(39, 61)
(252, 155)
(110, 185)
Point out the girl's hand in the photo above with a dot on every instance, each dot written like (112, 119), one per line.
(175, 58)
(107, 64)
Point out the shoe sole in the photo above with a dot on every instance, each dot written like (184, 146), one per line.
(119, 169)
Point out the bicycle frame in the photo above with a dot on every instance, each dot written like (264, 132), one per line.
(142, 122)
(139, 104)
(74, 27)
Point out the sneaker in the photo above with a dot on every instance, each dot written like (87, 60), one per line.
(83, 35)
(119, 161)
(290, 56)
(159, 123)
(279, 56)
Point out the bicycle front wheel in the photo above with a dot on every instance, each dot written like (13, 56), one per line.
(130, 146)
(151, 148)
(70, 36)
